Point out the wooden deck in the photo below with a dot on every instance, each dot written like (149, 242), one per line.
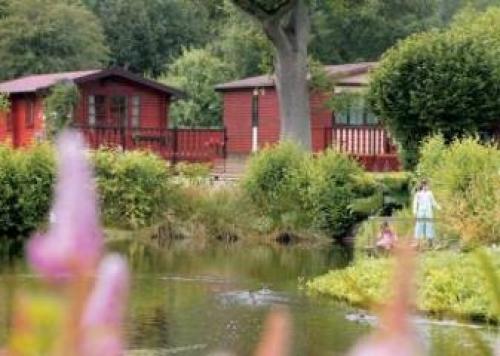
(177, 144)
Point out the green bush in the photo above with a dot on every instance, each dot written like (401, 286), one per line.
(134, 187)
(465, 179)
(449, 284)
(296, 191)
(440, 81)
(337, 186)
(277, 182)
(192, 173)
(26, 180)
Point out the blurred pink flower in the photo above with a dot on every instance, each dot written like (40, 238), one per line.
(395, 335)
(73, 244)
(103, 315)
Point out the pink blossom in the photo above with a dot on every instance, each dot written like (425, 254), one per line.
(73, 244)
(103, 314)
(395, 335)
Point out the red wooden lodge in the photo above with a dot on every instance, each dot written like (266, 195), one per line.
(251, 118)
(115, 108)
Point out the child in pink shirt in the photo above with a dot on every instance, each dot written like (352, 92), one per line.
(386, 238)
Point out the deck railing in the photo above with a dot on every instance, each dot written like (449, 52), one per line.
(371, 145)
(175, 144)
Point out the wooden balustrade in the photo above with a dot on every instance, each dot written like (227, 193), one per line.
(189, 144)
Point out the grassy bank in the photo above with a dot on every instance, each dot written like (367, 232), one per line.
(449, 284)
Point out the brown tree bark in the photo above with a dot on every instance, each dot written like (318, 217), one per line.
(287, 25)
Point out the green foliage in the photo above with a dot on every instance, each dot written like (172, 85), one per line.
(450, 284)
(353, 31)
(146, 36)
(26, 180)
(40, 36)
(277, 181)
(466, 182)
(224, 214)
(59, 106)
(4, 103)
(196, 71)
(242, 43)
(134, 188)
(193, 173)
(337, 182)
(297, 191)
(447, 82)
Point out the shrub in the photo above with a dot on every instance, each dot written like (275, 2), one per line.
(277, 182)
(446, 82)
(337, 183)
(328, 192)
(450, 284)
(192, 173)
(223, 214)
(465, 180)
(134, 187)
(26, 179)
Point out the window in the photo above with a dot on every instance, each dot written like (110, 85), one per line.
(136, 111)
(96, 109)
(30, 113)
(118, 110)
(356, 114)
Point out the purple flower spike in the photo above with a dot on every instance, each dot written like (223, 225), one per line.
(73, 244)
(103, 315)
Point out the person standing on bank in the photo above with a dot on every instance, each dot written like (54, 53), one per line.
(423, 208)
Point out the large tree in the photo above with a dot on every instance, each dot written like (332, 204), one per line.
(348, 31)
(196, 72)
(145, 36)
(39, 36)
(444, 82)
(287, 25)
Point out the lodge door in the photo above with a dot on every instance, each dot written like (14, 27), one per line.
(118, 111)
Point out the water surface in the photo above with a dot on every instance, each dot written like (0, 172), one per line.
(198, 302)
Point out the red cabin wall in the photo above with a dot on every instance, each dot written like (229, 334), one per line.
(154, 105)
(238, 119)
(14, 126)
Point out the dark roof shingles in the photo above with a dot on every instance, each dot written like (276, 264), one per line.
(34, 83)
(338, 70)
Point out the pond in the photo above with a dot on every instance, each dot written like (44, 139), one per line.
(199, 302)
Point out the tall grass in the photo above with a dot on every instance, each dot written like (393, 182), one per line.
(465, 179)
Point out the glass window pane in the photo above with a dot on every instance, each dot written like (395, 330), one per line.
(136, 110)
(371, 119)
(342, 117)
(357, 112)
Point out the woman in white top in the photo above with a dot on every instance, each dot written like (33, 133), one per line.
(423, 206)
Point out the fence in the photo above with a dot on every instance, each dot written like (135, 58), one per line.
(370, 145)
(176, 144)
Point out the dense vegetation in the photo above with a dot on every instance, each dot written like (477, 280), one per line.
(149, 37)
(286, 194)
(450, 284)
(134, 188)
(441, 81)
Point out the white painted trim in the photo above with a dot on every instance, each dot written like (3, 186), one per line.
(255, 138)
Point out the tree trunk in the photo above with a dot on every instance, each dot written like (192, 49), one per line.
(290, 37)
(293, 92)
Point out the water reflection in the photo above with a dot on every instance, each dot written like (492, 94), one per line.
(194, 302)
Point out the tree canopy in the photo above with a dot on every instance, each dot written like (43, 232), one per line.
(39, 36)
(441, 81)
(196, 71)
(145, 36)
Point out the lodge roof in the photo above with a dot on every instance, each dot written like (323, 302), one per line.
(38, 82)
(350, 74)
